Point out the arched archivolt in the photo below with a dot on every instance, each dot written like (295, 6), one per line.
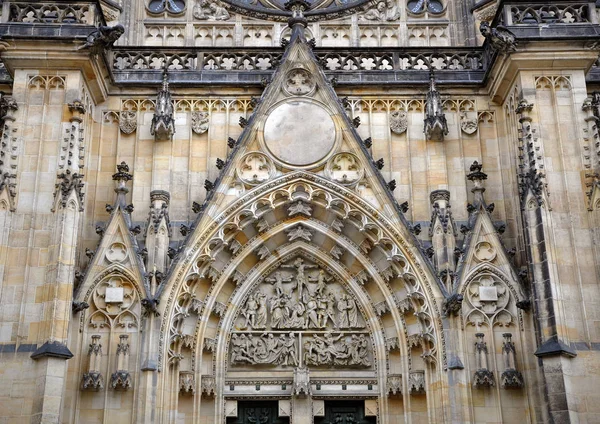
(348, 238)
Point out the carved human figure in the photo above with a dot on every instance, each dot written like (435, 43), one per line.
(261, 312)
(321, 283)
(330, 311)
(352, 312)
(249, 312)
(392, 12)
(240, 349)
(321, 311)
(342, 306)
(301, 279)
(377, 13)
(312, 320)
(296, 319)
(329, 342)
(363, 351)
(277, 320)
(212, 10)
(289, 350)
(277, 280)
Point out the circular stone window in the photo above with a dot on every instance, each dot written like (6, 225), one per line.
(299, 133)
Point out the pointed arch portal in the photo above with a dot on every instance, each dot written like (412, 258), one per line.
(301, 274)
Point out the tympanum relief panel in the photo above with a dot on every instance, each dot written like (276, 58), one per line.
(300, 315)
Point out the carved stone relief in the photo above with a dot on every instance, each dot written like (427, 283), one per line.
(128, 121)
(255, 168)
(327, 328)
(398, 121)
(383, 11)
(344, 168)
(113, 296)
(468, 125)
(210, 10)
(199, 122)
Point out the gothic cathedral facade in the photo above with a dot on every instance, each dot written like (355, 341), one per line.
(299, 212)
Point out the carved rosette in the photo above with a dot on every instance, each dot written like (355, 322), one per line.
(345, 168)
(255, 168)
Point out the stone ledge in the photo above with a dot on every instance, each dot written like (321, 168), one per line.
(554, 347)
(52, 350)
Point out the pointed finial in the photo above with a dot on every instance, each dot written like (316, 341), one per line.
(432, 80)
(297, 7)
(165, 81)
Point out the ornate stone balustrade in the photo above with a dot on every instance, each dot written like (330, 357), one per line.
(55, 12)
(254, 65)
(542, 13)
(453, 59)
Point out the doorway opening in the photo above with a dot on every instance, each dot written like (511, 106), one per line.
(345, 412)
(259, 412)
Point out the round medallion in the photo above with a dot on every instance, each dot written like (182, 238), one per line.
(344, 168)
(255, 168)
(299, 82)
(117, 252)
(485, 252)
(299, 133)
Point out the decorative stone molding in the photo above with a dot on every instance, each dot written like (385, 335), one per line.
(299, 82)
(8, 148)
(187, 383)
(208, 385)
(301, 386)
(416, 382)
(255, 168)
(394, 384)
